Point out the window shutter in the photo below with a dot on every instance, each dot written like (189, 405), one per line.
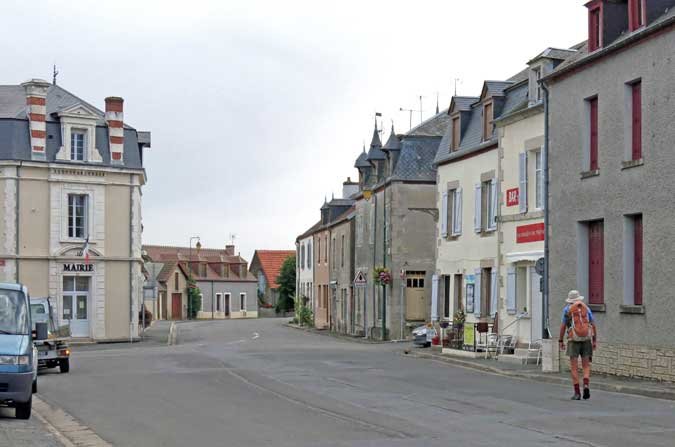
(522, 187)
(434, 297)
(493, 221)
(637, 262)
(511, 290)
(476, 294)
(594, 134)
(457, 213)
(477, 209)
(493, 293)
(444, 214)
(637, 121)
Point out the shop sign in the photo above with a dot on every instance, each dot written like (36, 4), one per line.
(78, 268)
(512, 196)
(469, 334)
(2, 262)
(530, 233)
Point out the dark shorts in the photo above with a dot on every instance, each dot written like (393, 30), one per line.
(580, 348)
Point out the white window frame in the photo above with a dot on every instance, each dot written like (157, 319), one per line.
(71, 230)
(84, 144)
(456, 213)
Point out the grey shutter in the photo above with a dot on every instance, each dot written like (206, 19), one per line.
(434, 297)
(477, 224)
(493, 293)
(457, 213)
(444, 214)
(522, 178)
(476, 294)
(493, 188)
(511, 290)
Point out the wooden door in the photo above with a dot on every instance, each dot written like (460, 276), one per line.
(227, 304)
(596, 263)
(164, 305)
(415, 296)
(176, 306)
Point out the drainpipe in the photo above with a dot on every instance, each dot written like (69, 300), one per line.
(16, 219)
(131, 254)
(384, 260)
(374, 230)
(546, 331)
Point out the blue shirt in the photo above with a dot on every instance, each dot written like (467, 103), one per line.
(566, 312)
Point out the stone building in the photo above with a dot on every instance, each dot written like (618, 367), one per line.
(71, 177)
(611, 177)
(266, 265)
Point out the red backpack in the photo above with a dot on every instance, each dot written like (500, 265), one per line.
(580, 326)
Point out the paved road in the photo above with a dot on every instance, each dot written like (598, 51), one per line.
(258, 383)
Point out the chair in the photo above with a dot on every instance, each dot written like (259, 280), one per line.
(506, 343)
(534, 348)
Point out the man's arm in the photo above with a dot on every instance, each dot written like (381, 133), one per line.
(561, 338)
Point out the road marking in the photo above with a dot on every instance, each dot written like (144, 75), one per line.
(67, 429)
(255, 335)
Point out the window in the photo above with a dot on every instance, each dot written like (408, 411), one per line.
(537, 87)
(325, 249)
(456, 133)
(77, 216)
(446, 297)
(594, 28)
(302, 257)
(459, 282)
(596, 262)
(633, 263)
(77, 145)
(342, 250)
(487, 122)
(176, 282)
(451, 211)
(219, 306)
(309, 254)
(636, 120)
(593, 134)
(319, 249)
(242, 301)
(333, 255)
(636, 11)
(486, 206)
(359, 230)
(539, 180)
(486, 291)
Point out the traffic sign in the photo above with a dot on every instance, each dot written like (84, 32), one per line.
(539, 266)
(360, 279)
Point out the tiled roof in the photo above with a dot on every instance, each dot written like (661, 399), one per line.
(362, 160)
(375, 152)
(416, 161)
(313, 229)
(393, 143)
(270, 262)
(167, 252)
(463, 103)
(496, 88)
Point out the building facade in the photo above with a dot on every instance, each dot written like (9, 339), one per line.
(71, 178)
(341, 265)
(265, 266)
(321, 279)
(611, 161)
(304, 274)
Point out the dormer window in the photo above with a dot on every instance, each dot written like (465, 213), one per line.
(456, 133)
(537, 87)
(594, 27)
(487, 121)
(636, 14)
(77, 144)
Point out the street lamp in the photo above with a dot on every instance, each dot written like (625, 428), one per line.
(198, 247)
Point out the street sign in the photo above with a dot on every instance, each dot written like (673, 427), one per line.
(360, 279)
(539, 266)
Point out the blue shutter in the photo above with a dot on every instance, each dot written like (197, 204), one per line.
(493, 293)
(493, 221)
(434, 297)
(511, 290)
(444, 214)
(522, 185)
(477, 209)
(476, 295)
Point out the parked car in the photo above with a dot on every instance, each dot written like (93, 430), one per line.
(423, 335)
(53, 350)
(18, 356)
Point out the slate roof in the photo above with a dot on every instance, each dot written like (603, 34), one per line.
(496, 88)
(313, 229)
(521, 76)
(270, 262)
(14, 128)
(416, 161)
(554, 53)
(463, 103)
(432, 127)
(375, 152)
(362, 160)
(393, 143)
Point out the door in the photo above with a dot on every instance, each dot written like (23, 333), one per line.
(415, 296)
(76, 305)
(537, 306)
(165, 310)
(227, 304)
(176, 306)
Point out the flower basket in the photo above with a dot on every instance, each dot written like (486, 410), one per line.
(381, 276)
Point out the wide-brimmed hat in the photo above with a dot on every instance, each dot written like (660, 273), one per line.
(574, 296)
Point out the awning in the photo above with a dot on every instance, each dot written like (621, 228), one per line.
(523, 256)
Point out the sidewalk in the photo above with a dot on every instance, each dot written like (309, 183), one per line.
(18, 433)
(326, 332)
(638, 387)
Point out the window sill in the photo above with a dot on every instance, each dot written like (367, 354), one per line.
(632, 163)
(488, 233)
(588, 174)
(632, 309)
(598, 307)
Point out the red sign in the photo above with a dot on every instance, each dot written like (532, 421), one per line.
(2, 262)
(512, 197)
(530, 233)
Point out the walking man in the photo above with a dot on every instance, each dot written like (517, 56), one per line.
(577, 321)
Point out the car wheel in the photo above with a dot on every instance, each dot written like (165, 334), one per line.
(64, 365)
(34, 386)
(23, 410)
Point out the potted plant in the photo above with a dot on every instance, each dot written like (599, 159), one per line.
(381, 276)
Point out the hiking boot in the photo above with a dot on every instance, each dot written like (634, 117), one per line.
(576, 396)
(587, 393)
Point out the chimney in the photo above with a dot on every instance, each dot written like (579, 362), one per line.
(36, 110)
(349, 188)
(229, 250)
(114, 116)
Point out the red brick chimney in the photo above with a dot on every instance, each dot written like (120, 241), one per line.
(36, 110)
(114, 116)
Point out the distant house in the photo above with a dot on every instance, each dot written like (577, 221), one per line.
(266, 265)
(171, 282)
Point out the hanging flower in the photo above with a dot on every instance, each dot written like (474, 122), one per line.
(381, 276)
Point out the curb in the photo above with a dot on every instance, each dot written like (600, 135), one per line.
(327, 333)
(67, 430)
(545, 378)
(173, 334)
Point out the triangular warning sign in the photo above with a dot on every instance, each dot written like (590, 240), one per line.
(360, 278)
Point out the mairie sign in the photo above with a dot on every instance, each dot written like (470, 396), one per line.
(78, 268)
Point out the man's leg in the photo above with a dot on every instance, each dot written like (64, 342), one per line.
(574, 370)
(586, 365)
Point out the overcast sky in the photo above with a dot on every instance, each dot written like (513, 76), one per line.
(258, 109)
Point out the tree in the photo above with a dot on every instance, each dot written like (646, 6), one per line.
(286, 281)
(194, 300)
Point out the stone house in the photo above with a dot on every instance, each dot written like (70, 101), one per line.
(611, 163)
(304, 274)
(71, 177)
(266, 265)
(343, 313)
